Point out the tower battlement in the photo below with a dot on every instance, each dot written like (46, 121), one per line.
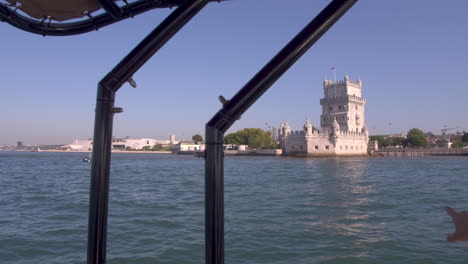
(344, 82)
(342, 98)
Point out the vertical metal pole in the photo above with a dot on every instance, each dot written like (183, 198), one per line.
(99, 190)
(234, 108)
(214, 196)
(102, 144)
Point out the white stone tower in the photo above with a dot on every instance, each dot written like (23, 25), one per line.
(172, 139)
(343, 102)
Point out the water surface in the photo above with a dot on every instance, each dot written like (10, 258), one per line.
(277, 210)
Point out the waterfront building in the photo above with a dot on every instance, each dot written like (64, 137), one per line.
(79, 145)
(121, 144)
(342, 130)
(137, 143)
(188, 146)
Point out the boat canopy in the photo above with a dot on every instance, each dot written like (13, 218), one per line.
(57, 10)
(72, 17)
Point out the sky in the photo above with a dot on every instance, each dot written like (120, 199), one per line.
(412, 57)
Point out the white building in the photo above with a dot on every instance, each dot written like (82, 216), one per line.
(79, 145)
(138, 143)
(342, 130)
(181, 147)
(121, 144)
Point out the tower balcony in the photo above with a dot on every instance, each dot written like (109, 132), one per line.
(342, 99)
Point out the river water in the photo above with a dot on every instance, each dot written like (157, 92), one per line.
(277, 210)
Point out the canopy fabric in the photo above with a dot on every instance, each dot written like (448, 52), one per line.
(58, 10)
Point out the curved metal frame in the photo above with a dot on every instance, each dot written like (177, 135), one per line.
(102, 142)
(234, 108)
(216, 126)
(46, 28)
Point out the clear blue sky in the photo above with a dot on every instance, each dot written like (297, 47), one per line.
(412, 57)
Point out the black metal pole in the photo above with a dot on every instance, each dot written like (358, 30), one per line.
(99, 189)
(102, 143)
(234, 108)
(214, 196)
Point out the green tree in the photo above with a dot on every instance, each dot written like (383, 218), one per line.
(238, 138)
(168, 148)
(128, 148)
(387, 142)
(397, 141)
(464, 138)
(459, 144)
(253, 137)
(415, 132)
(441, 143)
(146, 148)
(416, 138)
(381, 140)
(157, 147)
(197, 138)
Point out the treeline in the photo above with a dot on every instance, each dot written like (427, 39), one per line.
(255, 138)
(460, 141)
(157, 147)
(416, 138)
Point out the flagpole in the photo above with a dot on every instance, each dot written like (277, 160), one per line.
(334, 81)
(334, 74)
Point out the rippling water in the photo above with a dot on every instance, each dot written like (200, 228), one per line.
(277, 210)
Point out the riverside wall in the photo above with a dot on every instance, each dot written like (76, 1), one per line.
(420, 152)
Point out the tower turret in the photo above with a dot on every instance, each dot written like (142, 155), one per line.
(283, 132)
(335, 128)
(365, 130)
(286, 128)
(280, 131)
(308, 128)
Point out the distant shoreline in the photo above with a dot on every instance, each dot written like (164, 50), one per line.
(114, 151)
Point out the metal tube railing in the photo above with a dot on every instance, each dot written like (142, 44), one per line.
(46, 28)
(234, 108)
(102, 143)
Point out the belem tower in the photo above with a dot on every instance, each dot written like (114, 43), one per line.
(342, 130)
